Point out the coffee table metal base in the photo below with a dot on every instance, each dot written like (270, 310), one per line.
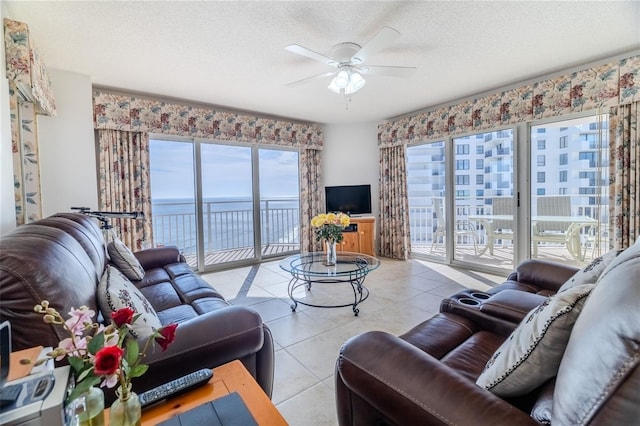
(360, 292)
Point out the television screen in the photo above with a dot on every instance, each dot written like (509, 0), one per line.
(350, 199)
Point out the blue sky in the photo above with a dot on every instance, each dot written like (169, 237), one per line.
(226, 171)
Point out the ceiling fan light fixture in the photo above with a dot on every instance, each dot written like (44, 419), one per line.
(333, 87)
(347, 82)
(342, 79)
(356, 82)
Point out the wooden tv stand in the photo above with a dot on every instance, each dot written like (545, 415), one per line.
(362, 240)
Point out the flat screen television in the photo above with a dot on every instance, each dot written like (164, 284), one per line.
(349, 199)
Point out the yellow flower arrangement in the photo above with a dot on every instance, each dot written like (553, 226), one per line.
(329, 226)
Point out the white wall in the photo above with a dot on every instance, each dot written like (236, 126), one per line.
(7, 198)
(350, 157)
(67, 147)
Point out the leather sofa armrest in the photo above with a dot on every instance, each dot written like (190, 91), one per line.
(158, 257)
(409, 386)
(544, 274)
(512, 305)
(207, 341)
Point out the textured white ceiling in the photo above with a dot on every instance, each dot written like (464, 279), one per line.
(231, 53)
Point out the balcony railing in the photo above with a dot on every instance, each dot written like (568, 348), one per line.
(227, 226)
(423, 224)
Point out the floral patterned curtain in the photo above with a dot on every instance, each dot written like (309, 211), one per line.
(606, 85)
(394, 211)
(30, 93)
(311, 197)
(124, 183)
(624, 200)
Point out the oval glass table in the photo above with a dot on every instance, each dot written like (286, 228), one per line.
(307, 269)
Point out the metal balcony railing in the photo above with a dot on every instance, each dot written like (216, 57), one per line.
(227, 225)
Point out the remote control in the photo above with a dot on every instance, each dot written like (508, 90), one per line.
(175, 387)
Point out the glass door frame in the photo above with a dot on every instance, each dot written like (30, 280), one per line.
(451, 205)
(198, 197)
(520, 185)
(523, 163)
(526, 228)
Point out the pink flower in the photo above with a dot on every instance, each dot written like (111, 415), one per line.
(73, 347)
(110, 339)
(110, 381)
(79, 319)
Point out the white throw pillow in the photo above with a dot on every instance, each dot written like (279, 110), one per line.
(590, 273)
(532, 354)
(115, 292)
(124, 259)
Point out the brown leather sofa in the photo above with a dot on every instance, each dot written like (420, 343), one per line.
(506, 304)
(428, 375)
(61, 259)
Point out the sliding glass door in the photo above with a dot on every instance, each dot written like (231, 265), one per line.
(426, 192)
(173, 196)
(557, 208)
(227, 203)
(223, 203)
(279, 201)
(483, 199)
(475, 225)
(570, 190)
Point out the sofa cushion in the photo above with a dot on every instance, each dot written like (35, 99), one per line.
(590, 273)
(532, 354)
(115, 292)
(124, 259)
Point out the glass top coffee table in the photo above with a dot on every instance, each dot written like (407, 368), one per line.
(310, 268)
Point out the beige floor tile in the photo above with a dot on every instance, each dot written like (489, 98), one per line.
(427, 302)
(296, 328)
(313, 407)
(319, 353)
(291, 377)
(272, 308)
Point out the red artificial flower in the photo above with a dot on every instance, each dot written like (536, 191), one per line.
(167, 336)
(122, 316)
(107, 360)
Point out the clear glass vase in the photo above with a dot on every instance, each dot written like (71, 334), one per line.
(126, 410)
(87, 409)
(331, 253)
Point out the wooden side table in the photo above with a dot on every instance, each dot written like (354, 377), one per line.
(228, 378)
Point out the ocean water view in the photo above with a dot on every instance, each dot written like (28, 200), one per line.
(228, 223)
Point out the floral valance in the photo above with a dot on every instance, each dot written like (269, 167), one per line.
(25, 68)
(133, 113)
(611, 84)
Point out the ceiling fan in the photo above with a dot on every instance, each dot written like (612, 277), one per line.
(349, 60)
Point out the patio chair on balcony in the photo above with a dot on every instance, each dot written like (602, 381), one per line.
(548, 231)
(595, 239)
(463, 228)
(500, 229)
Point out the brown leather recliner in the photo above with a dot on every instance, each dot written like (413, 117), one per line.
(427, 376)
(61, 259)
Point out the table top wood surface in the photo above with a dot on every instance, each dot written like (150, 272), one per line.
(228, 378)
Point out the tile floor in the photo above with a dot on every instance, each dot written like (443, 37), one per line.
(402, 294)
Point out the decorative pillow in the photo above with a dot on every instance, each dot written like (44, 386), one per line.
(115, 292)
(124, 259)
(532, 354)
(590, 273)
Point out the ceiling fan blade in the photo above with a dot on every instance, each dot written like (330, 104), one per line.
(381, 40)
(308, 79)
(296, 48)
(387, 71)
